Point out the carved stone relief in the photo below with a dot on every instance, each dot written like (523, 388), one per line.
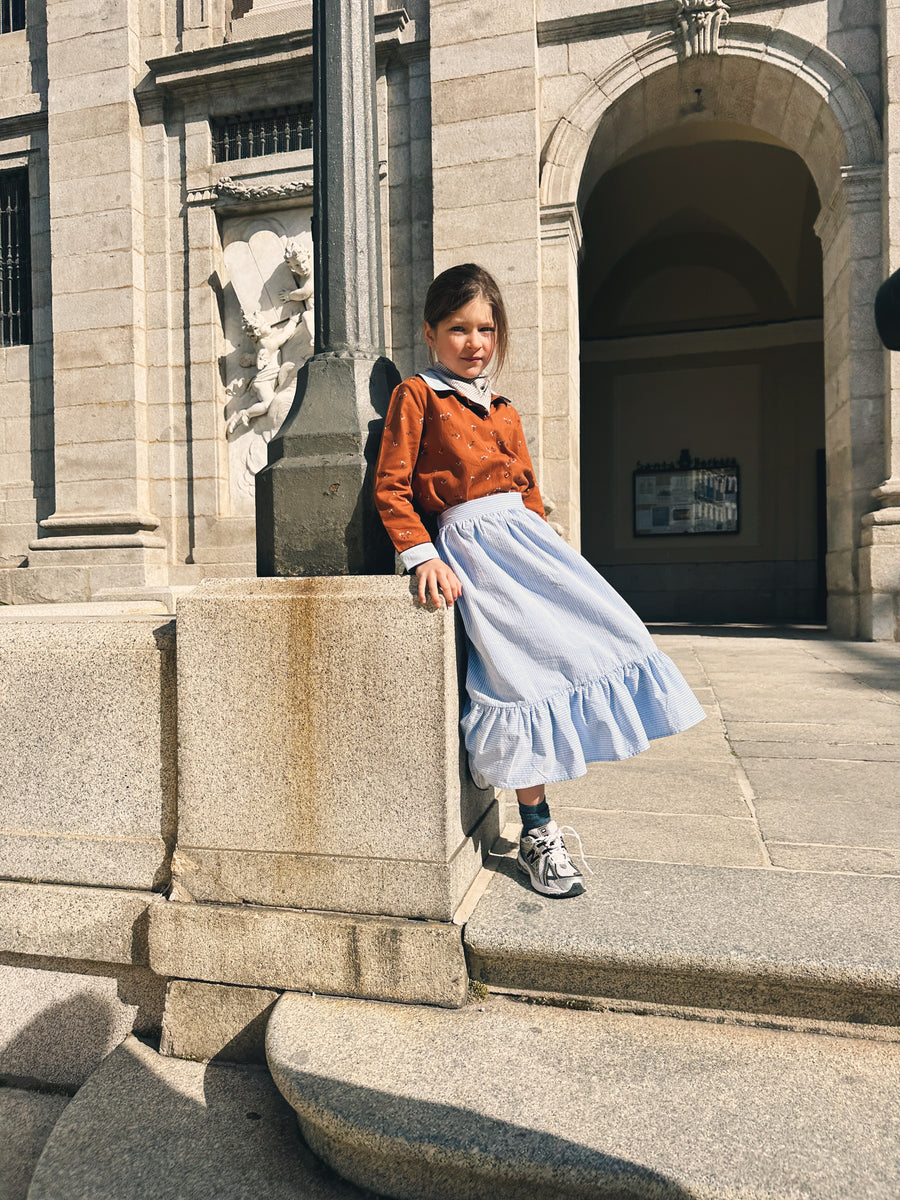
(269, 333)
(700, 22)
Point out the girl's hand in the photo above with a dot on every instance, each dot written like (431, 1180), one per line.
(435, 579)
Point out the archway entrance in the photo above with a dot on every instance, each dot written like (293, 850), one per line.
(772, 94)
(701, 341)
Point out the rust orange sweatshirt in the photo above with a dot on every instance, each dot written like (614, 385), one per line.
(440, 449)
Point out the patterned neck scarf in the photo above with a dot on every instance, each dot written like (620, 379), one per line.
(477, 390)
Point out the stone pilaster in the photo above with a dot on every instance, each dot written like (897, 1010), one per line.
(102, 532)
(880, 549)
(849, 228)
(561, 358)
(485, 149)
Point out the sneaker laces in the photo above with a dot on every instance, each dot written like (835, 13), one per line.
(556, 843)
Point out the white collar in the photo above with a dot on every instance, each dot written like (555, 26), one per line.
(441, 384)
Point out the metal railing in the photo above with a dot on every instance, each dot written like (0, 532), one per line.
(249, 135)
(15, 259)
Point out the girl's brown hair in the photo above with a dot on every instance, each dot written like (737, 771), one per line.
(455, 288)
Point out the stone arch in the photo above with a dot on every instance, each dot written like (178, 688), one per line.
(788, 88)
(803, 98)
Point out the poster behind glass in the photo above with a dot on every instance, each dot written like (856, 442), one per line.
(698, 500)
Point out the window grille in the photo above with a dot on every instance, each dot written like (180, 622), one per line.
(15, 260)
(12, 15)
(273, 131)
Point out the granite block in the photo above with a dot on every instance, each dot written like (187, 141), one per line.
(26, 1120)
(147, 1125)
(90, 724)
(380, 958)
(212, 1020)
(761, 941)
(61, 1018)
(97, 924)
(307, 707)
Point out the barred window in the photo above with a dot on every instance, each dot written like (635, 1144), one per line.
(272, 131)
(15, 260)
(12, 15)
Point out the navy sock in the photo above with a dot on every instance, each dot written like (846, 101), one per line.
(534, 816)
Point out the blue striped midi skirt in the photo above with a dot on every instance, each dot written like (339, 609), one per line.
(561, 671)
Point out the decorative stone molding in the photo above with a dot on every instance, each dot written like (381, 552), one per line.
(236, 189)
(232, 192)
(561, 221)
(699, 23)
(861, 191)
(585, 27)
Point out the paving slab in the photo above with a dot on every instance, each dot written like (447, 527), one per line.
(147, 1126)
(802, 738)
(834, 751)
(881, 718)
(861, 860)
(671, 837)
(759, 941)
(845, 803)
(646, 784)
(831, 732)
(26, 1120)
(542, 1101)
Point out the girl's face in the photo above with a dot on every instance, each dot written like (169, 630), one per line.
(464, 342)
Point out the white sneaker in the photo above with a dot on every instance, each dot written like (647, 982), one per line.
(543, 855)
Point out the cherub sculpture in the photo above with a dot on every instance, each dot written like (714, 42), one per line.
(270, 371)
(299, 260)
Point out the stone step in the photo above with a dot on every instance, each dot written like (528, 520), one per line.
(757, 941)
(508, 1099)
(146, 1126)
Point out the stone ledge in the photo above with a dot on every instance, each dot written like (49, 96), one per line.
(418, 890)
(761, 941)
(378, 958)
(104, 925)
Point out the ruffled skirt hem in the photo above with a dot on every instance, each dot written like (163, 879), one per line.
(517, 745)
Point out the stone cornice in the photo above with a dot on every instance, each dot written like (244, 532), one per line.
(191, 71)
(633, 16)
(861, 190)
(28, 121)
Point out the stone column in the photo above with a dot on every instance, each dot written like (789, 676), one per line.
(880, 549)
(486, 150)
(313, 501)
(102, 533)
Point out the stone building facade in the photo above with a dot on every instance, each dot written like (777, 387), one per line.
(689, 205)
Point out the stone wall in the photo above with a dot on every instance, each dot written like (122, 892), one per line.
(276, 800)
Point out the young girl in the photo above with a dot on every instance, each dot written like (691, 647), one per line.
(561, 671)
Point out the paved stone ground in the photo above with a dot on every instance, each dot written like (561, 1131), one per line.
(797, 766)
(26, 1120)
